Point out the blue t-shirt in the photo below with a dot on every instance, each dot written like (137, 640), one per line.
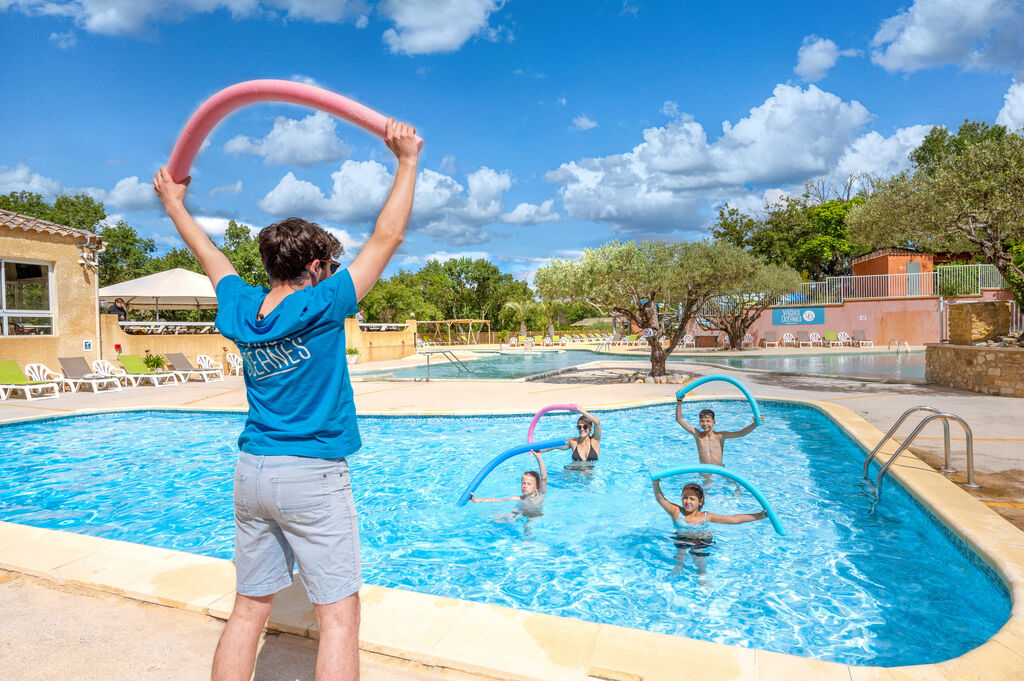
(296, 375)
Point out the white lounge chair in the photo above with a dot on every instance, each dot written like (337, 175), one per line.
(770, 338)
(748, 340)
(862, 340)
(104, 368)
(12, 379)
(788, 339)
(802, 339)
(845, 339)
(77, 374)
(207, 362)
(184, 370)
(688, 341)
(816, 339)
(234, 364)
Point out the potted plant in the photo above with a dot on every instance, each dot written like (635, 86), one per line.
(351, 355)
(154, 362)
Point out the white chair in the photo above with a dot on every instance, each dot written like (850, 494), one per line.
(844, 338)
(547, 341)
(42, 373)
(816, 339)
(42, 384)
(770, 339)
(688, 341)
(104, 368)
(748, 341)
(184, 370)
(788, 339)
(78, 374)
(234, 364)
(207, 362)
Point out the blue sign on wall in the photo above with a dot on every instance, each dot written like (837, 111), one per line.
(787, 316)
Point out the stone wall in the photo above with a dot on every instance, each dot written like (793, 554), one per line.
(984, 369)
(973, 322)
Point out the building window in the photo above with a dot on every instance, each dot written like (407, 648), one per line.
(26, 306)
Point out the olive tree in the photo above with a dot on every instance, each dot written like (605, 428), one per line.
(630, 279)
(749, 287)
(966, 193)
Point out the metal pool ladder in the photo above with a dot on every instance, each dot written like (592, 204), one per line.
(899, 342)
(935, 414)
(450, 356)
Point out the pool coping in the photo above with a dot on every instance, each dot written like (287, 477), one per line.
(460, 635)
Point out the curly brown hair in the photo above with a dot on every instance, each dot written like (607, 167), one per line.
(286, 247)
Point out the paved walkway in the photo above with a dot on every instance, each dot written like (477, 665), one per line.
(116, 639)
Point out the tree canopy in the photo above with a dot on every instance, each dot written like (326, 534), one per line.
(965, 193)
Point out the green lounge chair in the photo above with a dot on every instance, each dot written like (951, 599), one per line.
(13, 378)
(832, 339)
(138, 370)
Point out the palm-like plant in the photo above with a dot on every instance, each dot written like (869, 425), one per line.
(522, 308)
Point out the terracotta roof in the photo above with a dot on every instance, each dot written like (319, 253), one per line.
(886, 251)
(14, 220)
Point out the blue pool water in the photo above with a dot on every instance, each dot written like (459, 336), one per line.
(845, 584)
(891, 366)
(500, 366)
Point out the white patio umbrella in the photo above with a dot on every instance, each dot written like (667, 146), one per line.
(175, 289)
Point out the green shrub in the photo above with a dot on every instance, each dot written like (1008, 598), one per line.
(154, 361)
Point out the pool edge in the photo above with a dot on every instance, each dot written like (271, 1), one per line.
(460, 635)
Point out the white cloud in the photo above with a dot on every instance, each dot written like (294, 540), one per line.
(303, 143)
(816, 56)
(21, 179)
(131, 194)
(583, 122)
(444, 256)
(233, 188)
(120, 17)
(670, 109)
(561, 101)
(531, 214)
(671, 181)
(65, 40)
(438, 25)
(350, 243)
(877, 155)
(975, 34)
(447, 164)
(442, 207)
(1012, 113)
(217, 226)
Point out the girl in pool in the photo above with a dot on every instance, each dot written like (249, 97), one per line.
(691, 521)
(586, 446)
(533, 486)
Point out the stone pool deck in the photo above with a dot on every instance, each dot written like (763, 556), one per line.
(57, 626)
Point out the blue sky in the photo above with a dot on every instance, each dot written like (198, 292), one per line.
(549, 126)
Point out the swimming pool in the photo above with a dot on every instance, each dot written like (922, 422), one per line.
(889, 366)
(507, 365)
(835, 588)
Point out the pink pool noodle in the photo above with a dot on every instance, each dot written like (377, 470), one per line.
(251, 91)
(553, 407)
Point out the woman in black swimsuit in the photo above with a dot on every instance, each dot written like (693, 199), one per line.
(586, 446)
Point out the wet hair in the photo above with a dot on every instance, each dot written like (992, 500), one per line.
(696, 489)
(536, 477)
(708, 412)
(286, 247)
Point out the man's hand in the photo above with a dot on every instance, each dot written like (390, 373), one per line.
(401, 140)
(170, 192)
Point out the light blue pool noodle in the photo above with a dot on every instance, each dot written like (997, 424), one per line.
(720, 470)
(501, 458)
(728, 379)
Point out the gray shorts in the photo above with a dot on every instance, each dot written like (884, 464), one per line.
(292, 509)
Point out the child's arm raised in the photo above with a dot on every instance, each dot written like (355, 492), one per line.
(543, 486)
(680, 420)
(390, 228)
(669, 507)
(737, 518)
(172, 195)
(739, 433)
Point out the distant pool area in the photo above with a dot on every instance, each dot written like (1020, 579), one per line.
(403, 498)
(890, 366)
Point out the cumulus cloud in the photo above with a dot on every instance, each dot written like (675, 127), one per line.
(135, 16)
(65, 40)
(128, 193)
(215, 226)
(816, 56)
(976, 34)
(233, 188)
(439, 25)
(443, 207)
(444, 256)
(531, 214)
(303, 143)
(1012, 113)
(583, 122)
(675, 176)
(131, 194)
(21, 179)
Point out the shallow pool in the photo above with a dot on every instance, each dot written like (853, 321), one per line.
(494, 365)
(891, 366)
(886, 588)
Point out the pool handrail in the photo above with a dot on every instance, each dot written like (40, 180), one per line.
(910, 438)
(721, 470)
(728, 379)
(501, 458)
(544, 410)
(899, 422)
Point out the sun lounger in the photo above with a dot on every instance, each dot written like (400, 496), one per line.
(12, 379)
(104, 368)
(861, 340)
(833, 339)
(136, 368)
(184, 370)
(77, 373)
(845, 339)
(788, 339)
(803, 338)
(770, 338)
(816, 339)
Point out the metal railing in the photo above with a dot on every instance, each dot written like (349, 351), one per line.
(948, 464)
(1016, 318)
(448, 355)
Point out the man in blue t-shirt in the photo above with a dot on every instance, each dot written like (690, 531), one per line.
(293, 498)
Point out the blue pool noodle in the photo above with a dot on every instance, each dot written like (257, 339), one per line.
(720, 470)
(505, 455)
(728, 379)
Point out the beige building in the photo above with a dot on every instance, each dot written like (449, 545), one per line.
(49, 279)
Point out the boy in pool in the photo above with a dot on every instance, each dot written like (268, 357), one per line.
(533, 486)
(710, 442)
(293, 497)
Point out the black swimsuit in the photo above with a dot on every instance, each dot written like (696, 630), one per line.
(576, 456)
